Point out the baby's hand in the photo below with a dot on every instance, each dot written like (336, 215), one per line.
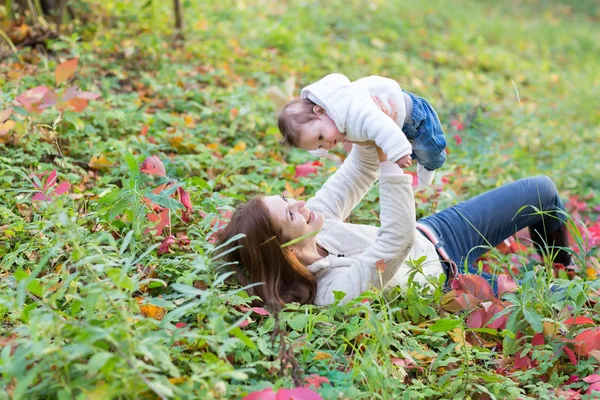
(405, 161)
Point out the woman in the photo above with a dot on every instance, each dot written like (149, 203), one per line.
(328, 254)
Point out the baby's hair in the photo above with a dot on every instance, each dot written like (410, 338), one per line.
(294, 114)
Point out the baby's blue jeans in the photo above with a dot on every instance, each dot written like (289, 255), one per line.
(426, 133)
(471, 228)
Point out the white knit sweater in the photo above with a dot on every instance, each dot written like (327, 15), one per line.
(356, 249)
(350, 106)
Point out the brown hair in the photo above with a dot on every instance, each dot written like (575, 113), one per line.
(294, 114)
(260, 257)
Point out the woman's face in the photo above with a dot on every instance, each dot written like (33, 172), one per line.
(293, 218)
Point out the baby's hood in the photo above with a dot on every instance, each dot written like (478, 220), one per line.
(333, 93)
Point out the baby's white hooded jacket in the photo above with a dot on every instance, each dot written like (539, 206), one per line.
(350, 106)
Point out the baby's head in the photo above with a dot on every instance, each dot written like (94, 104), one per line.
(307, 126)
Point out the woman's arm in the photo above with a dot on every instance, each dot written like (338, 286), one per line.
(395, 239)
(348, 185)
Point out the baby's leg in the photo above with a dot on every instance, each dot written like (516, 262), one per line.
(426, 133)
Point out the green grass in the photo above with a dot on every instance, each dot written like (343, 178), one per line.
(81, 281)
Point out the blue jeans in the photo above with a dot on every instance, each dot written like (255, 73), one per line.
(471, 228)
(426, 133)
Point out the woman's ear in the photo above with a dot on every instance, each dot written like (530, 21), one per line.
(318, 110)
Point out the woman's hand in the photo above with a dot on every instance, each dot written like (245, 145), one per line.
(392, 112)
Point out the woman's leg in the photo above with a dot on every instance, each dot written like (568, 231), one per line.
(473, 227)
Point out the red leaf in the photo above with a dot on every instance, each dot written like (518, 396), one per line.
(48, 183)
(570, 354)
(61, 188)
(265, 394)
(297, 394)
(538, 340)
(88, 95)
(522, 362)
(50, 180)
(476, 286)
(306, 169)
(39, 196)
(572, 379)
(477, 318)
(284, 394)
(153, 166)
(245, 322)
(578, 321)
(77, 104)
(50, 99)
(587, 341)
(492, 309)
(592, 378)
(144, 130)
(459, 126)
(180, 325)
(467, 301)
(166, 244)
(184, 198)
(594, 381)
(31, 98)
(258, 310)
(506, 284)
(163, 220)
(4, 114)
(315, 380)
(65, 70)
(458, 139)
(594, 387)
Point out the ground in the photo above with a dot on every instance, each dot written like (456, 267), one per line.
(122, 151)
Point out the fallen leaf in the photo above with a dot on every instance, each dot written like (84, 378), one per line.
(4, 114)
(578, 321)
(100, 163)
(150, 310)
(239, 146)
(321, 355)
(163, 220)
(315, 380)
(65, 70)
(307, 168)
(153, 166)
(506, 284)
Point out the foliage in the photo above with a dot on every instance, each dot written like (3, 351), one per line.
(122, 155)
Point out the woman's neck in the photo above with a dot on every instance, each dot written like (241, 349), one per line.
(312, 254)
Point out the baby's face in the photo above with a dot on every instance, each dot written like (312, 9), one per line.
(320, 133)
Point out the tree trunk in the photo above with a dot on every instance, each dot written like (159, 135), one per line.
(178, 19)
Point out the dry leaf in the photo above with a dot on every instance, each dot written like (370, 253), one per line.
(321, 355)
(240, 146)
(151, 311)
(100, 163)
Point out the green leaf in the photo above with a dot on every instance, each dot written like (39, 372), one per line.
(445, 325)
(36, 288)
(132, 163)
(534, 319)
(301, 238)
(298, 322)
(238, 333)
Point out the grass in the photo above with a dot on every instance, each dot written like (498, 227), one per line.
(88, 301)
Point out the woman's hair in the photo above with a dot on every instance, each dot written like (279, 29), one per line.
(260, 257)
(295, 114)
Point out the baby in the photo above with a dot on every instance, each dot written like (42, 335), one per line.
(334, 109)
